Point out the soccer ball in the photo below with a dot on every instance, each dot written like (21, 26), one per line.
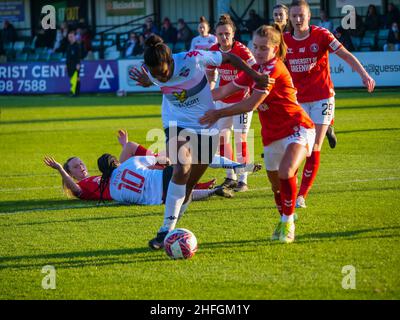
(180, 244)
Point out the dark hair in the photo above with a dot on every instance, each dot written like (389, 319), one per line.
(107, 163)
(275, 36)
(156, 51)
(225, 19)
(286, 9)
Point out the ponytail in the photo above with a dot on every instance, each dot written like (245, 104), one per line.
(107, 163)
(225, 19)
(156, 51)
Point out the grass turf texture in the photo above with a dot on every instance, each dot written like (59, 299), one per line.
(101, 252)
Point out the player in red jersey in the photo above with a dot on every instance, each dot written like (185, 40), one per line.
(78, 182)
(308, 62)
(287, 131)
(225, 31)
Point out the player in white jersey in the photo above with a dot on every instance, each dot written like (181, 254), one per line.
(204, 40)
(186, 97)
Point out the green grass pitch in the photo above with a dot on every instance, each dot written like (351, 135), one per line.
(101, 252)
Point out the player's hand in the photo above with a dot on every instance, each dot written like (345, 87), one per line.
(368, 82)
(263, 80)
(209, 118)
(140, 76)
(52, 163)
(122, 137)
(163, 160)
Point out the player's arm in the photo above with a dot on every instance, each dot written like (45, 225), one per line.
(224, 91)
(262, 80)
(68, 181)
(247, 105)
(212, 77)
(353, 62)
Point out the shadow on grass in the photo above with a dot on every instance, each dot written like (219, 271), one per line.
(125, 117)
(321, 236)
(82, 259)
(143, 255)
(26, 206)
(361, 107)
(367, 130)
(85, 100)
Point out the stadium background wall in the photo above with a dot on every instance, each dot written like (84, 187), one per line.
(112, 75)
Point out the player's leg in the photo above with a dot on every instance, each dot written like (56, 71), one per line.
(225, 146)
(331, 136)
(321, 112)
(273, 154)
(294, 155)
(180, 156)
(241, 126)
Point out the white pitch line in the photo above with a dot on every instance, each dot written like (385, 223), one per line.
(80, 206)
(256, 189)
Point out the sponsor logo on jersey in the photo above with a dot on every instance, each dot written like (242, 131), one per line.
(314, 47)
(302, 50)
(181, 96)
(289, 50)
(193, 53)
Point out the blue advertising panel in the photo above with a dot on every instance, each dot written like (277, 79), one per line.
(51, 77)
(13, 11)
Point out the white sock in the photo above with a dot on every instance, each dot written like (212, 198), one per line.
(202, 194)
(184, 207)
(175, 196)
(243, 177)
(286, 218)
(230, 173)
(222, 162)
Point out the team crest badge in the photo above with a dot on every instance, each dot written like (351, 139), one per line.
(314, 47)
(184, 72)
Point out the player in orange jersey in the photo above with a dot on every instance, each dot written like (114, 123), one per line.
(287, 131)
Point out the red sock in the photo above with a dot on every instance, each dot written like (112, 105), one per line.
(242, 153)
(288, 191)
(225, 150)
(332, 121)
(309, 173)
(278, 201)
(142, 151)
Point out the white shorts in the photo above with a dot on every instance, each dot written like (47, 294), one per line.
(274, 152)
(239, 123)
(320, 112)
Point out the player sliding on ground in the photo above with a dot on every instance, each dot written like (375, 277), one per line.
(186, 96)
(287, 131)
(308, 63)
(138, 160)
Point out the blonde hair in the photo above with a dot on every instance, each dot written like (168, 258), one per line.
(275, 38)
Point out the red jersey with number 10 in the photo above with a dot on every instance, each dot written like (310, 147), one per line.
(91, 189)
(228, 73)
(308, 62)
(280, 114)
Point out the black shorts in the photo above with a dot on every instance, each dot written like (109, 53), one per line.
(203, 146)
(166, 178)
